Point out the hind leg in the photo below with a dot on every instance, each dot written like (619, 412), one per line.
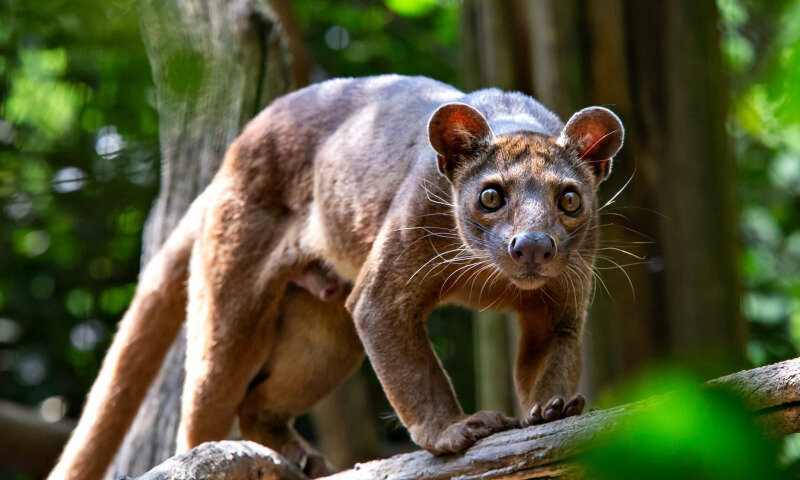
(316, 348)
(238, 273)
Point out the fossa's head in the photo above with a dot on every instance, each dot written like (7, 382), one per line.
(525, 199)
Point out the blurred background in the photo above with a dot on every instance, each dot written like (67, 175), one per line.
(114, 112)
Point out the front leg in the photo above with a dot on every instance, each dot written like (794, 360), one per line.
(389, 313)
(548, 366)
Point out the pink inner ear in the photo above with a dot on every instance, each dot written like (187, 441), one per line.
(461, 122)
(592, 137)
(465, 121)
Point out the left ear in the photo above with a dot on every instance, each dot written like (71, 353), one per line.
(596, 134)
(455, 130)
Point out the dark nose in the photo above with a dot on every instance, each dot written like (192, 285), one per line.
(533, 249)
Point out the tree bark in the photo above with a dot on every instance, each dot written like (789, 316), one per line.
(215, 64)
(494, 45)
(300, 63)
(703, 281)
(228, 460)
(557, 69)
(659, 67)
(544, 451)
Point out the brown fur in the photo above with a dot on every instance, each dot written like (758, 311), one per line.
(341, 175)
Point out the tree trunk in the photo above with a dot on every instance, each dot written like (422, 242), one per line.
(215, 64)
(659, 67)
(556, 64)
(494, 45)
(700, 233)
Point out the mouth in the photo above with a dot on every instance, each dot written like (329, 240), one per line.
(528, 280)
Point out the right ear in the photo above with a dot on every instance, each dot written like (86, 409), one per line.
(596, 134)
(454, 130)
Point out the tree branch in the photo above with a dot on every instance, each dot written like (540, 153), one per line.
(543, 451)
(229, 460)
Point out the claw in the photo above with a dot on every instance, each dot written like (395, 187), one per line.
(575, 406)
(312, 464)
(555, 409)
(464, 433)
(535, 416)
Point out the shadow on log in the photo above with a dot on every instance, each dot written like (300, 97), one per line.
(543, 451)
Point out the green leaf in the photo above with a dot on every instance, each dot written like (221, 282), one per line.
(411, 8)
(691, 432)
(39, 98)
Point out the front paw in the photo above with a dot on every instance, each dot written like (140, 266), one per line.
(463, 433)
(311, 463)
(555, 409)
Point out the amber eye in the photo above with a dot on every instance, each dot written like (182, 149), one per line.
(570, 201)
(491, 199)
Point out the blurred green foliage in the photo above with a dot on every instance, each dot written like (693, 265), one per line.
(761, 45)
(78, 172)
(367, 37)
(685, 432)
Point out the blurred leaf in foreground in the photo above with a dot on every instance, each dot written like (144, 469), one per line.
(686, 432)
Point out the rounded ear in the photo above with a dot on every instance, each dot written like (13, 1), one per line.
(596, 133)
(456, 129)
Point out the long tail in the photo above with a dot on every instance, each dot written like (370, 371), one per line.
(145, 334)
